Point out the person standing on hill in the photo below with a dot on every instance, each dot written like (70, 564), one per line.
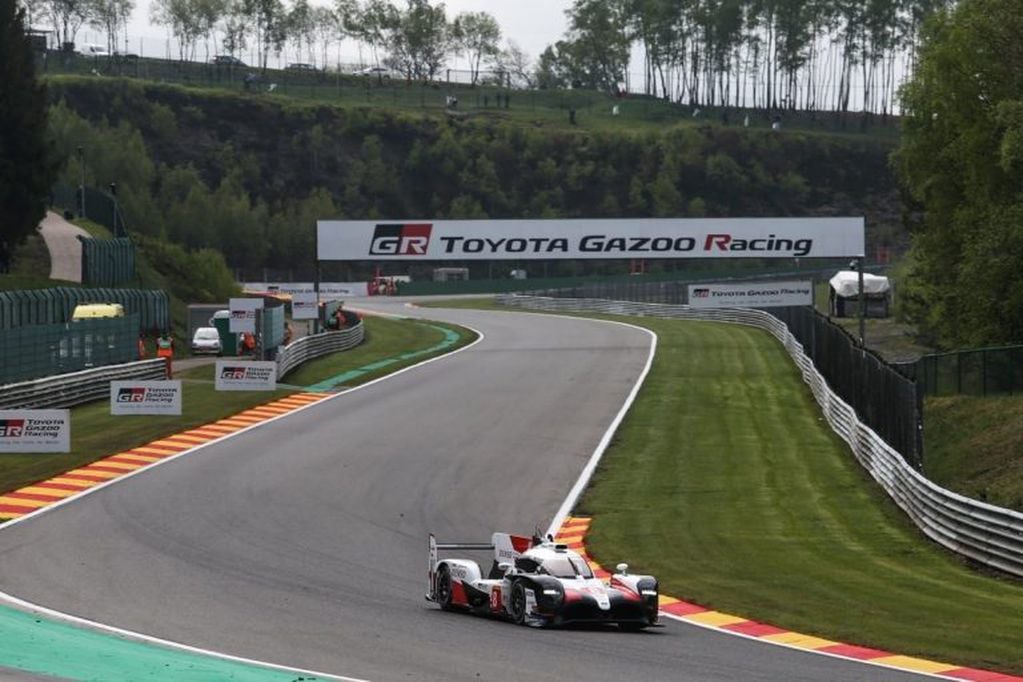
(165, 349)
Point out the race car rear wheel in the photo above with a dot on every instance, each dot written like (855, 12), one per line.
(444, 598)
(517, 603)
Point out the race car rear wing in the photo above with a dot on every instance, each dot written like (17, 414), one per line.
(506, 548)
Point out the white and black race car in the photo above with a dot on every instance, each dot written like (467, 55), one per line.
(540, 583)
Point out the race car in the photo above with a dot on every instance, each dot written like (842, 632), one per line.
(536, 582)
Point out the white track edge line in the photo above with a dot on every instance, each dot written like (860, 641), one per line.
(59, 615)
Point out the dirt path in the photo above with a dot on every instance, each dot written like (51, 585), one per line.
(61, 239)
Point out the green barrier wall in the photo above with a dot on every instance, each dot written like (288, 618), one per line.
(41, 350)
(21, 308)
(107, 262)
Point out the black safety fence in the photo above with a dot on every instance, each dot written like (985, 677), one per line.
(980, 371)
(21, 308)
(885, 399)
(42, 350)
(107, 262)
(96, 205)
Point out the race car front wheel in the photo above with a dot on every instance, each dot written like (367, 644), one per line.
(444, 588)
(517, 604)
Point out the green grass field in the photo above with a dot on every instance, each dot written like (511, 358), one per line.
(974, 445)
(726, 483)
(97, 434)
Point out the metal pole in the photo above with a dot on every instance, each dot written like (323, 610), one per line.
(81, 166)
(316, 288)
(863, 304)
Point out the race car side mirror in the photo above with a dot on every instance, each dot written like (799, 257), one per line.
(504, 567)
(622, 568)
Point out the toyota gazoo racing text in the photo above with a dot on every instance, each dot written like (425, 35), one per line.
(539, 583)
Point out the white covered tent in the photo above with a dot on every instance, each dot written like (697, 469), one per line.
(845, 293)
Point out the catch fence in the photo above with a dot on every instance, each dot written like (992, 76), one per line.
(981, 371)
(41, 350)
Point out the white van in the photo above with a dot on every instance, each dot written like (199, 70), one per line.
(95, 51)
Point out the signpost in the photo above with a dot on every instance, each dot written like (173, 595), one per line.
(35, 431)
(145, 397)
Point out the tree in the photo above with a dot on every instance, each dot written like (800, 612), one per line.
(479, 36)
(109, 16)
(269, 22)
(183, 21)
(67, 17)
(418, 39)
(960, 158)
(234, 26)
(515, 62)
(27, 168)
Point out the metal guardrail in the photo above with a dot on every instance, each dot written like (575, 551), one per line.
(308, 347)
(67, 390)
(982, 532)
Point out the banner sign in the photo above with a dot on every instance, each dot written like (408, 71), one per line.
(304, 306)
(463, 240)
(751, 295)
(145, 397)
(328, 290)
(35, 431)
(234, 375)
(243, 315)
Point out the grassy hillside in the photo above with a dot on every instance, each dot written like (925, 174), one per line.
(974, 445)
(249, 174)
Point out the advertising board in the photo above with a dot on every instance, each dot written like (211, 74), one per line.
(35, 431)
(304, 306)
(464, 240)
(236, 375)
(145, 397)
(751, 295)
(243, 315)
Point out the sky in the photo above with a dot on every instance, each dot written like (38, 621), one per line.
(533, 24)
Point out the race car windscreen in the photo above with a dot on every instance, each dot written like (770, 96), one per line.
(567, 567)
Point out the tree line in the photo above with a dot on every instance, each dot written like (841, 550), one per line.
(812, 55)
(414, 39)
(836, 55)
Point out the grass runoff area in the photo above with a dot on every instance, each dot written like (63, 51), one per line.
(95, 433)
(726, 483)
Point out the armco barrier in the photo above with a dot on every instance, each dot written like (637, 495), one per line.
(309, 347)
(982, 532)
(67, 390)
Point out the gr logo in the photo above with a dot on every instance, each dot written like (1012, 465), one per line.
(235, 373)
(131, 395)
(401, 240)
(12, 428)
(701, 293)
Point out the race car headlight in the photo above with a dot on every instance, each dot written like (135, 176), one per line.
(552, 593)
(649, 593)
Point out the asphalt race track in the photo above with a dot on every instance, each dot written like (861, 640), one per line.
(303, 542)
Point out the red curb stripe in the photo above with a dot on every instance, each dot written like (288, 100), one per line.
(16, 509)
(683, 609)
(753, 629)
(98, 466)
(35, 497)
(975, 675)
(84, 476)
(861, 653)
(56, 486)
